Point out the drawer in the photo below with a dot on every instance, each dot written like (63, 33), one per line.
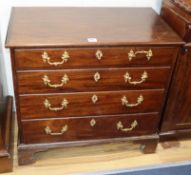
(93, 57)
(54, 130)
(92, 80)
(95, 103)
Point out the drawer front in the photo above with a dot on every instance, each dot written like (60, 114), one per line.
(54, 130)
(92, 80)
(93, 57)
(97, 103)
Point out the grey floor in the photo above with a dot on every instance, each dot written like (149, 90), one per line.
(180, 168)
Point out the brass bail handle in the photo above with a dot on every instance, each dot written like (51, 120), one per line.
(132, 54)
(64, 58)
(63, 105)
(128, 78)
(120, 126)
(48, 131)
(125, 102)
(64, 80)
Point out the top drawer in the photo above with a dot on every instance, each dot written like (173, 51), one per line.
(93, 57)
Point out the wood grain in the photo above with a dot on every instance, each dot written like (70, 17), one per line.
(80, 128)
(6, 135)
(107, 103)
(45, 27)
(184, 4)
(45, 31)
(177, 18)
(177, 115)
(31, 59)
(81, 80)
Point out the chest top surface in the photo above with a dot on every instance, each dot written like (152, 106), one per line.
(59, 26)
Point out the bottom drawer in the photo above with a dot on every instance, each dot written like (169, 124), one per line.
(101, 127)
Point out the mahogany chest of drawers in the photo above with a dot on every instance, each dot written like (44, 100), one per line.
(89, 75)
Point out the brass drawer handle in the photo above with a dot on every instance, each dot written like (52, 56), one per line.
(99, 54)
(125, 102)
(120, 126)
(46, 59)
(128, 78)
(133, 54)
(97, 76)
(47, 81)
(48, 131)
(63, 105)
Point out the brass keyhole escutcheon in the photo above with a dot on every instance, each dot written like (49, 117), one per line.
(99, 54)
(97, 76)
(92, 122)
(94, 99)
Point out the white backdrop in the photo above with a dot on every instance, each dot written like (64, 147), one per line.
(5, 9)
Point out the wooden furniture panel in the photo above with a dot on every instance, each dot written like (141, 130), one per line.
(93, 57)
(178, 112)
(177, 115)
(54, 130)
(96, 103)
(6, 135)
(92, 80)
(174, 20)
(184, 4)
(177, 18)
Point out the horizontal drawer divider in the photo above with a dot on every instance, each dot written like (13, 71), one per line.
(98, 116)
(95, 69)
(79, 92)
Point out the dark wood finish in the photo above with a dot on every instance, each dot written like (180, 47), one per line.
(177, 115)
(149, 146)
(182, 134)
(27, 156)
(45, 27)
(108, 103)
(83, 80)
(177, 18)
(179, 134)
(6, 136)
(184, 4)
(80, 128)
(178, 111)
(27, 151)
(142, 30)
(86, 57)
